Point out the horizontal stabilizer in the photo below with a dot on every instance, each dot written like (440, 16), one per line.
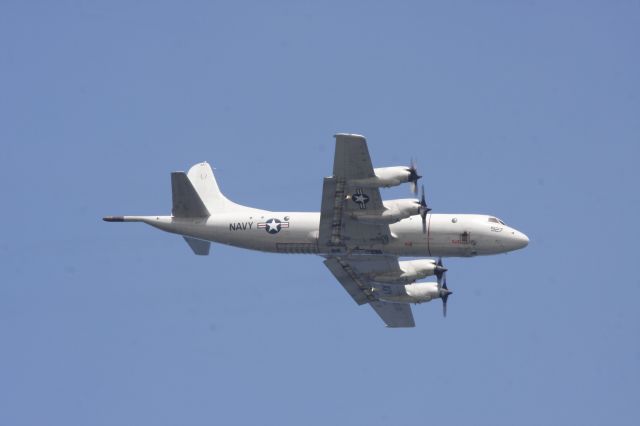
(199, 247)
(186, 201)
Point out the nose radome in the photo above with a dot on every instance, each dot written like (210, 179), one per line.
(522, 239)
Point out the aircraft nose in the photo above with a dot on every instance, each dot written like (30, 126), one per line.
(521, 240)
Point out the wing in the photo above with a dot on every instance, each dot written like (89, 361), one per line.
(350, 244)
(342, 196)
(394, 314)
(355, 274)
(351, 159)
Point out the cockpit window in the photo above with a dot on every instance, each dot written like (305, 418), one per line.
(496, 220)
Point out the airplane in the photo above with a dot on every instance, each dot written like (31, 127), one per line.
(360, 236)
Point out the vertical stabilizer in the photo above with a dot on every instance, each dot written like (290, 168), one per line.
(186, 201)
(204, 182)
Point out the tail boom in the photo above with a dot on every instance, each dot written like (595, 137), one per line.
(151, 220)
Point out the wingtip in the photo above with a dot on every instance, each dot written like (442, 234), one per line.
(349, 135)
(113, 218)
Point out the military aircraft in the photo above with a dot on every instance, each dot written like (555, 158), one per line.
(359, 235)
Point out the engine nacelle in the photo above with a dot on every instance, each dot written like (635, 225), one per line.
(385, 177)
(402, 208)
(395, 211)
(410, 271)
(410, 293)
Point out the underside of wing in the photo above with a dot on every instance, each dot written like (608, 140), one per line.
(353, 245)
(356, 274)
(353, 282)
(351, 159)
(394, 314)
(343, 198)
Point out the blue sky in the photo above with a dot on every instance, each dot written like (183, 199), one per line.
(526, 110)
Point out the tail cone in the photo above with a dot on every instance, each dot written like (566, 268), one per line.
(113, 218)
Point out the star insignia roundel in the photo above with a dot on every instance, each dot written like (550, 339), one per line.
(273, 226)
(360, 198)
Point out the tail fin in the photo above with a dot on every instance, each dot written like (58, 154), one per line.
(186, 201)
(204, 182)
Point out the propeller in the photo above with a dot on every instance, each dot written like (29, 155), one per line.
(445, 292)
(439, 271)
(413, 177)
(442, 285)
(424, 209)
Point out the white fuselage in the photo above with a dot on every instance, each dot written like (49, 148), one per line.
(448, 235)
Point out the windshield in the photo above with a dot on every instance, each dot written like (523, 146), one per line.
(496, 220)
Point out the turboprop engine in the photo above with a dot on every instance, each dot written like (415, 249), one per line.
(410, 293)
(416, 292)
(391, 176)
(410, 271)
(395, 211)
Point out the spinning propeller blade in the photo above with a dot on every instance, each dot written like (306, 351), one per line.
(445, 295)
(424, 209)
(442, 285)
(439, 271)
(413, 177)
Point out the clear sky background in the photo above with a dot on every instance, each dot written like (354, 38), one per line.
(526, 110)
